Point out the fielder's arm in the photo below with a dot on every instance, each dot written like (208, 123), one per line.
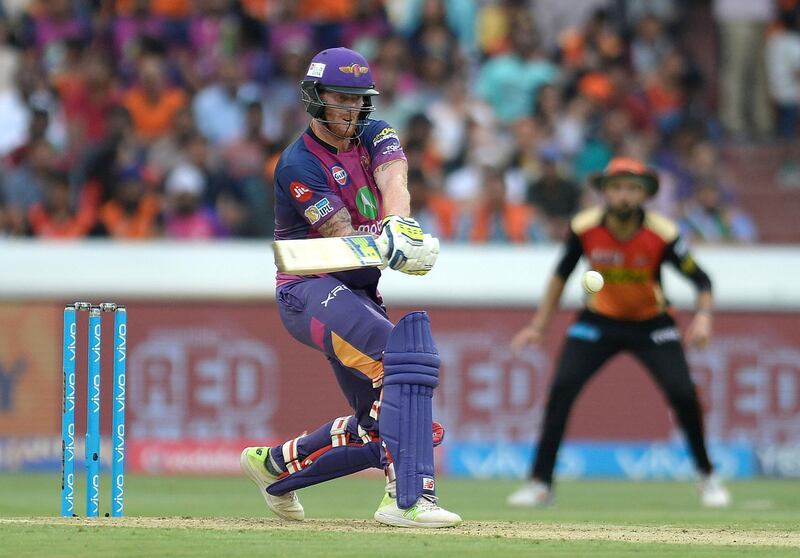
(700, 329)
(549, 304)
(392, 181)
(573, 250)
(533, 333)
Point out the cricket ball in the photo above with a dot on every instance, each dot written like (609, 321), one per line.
(592, 281)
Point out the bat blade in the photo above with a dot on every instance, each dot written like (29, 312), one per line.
(327, 255)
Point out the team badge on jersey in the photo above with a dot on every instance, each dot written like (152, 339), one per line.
(339, 175)
(317, 211)
(300, 191)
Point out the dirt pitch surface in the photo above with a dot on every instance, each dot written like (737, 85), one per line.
(489, 529)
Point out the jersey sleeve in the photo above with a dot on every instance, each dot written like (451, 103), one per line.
(573, 250)
(307, 190)
(382, 143)
(677, 253)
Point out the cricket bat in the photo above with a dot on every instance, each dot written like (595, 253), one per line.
(327, 255)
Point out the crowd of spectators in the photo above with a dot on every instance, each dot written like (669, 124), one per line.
(138, 119)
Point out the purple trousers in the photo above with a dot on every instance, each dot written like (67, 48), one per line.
(350, 327)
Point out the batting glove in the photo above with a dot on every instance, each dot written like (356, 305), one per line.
(406, 248)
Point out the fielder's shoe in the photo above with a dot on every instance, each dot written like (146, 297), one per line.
(535, 494)
(425, 513)
(713, 493)
(286, 506)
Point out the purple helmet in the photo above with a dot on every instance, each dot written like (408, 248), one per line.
(341, 70)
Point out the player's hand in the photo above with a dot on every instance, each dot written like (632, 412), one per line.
(528, 335)
(699, 331)
(406, 247)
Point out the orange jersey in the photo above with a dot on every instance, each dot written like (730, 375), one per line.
(154, 119)
(631, 268)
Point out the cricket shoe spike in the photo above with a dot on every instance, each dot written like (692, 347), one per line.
(713, 493)
(535, 494)
(424, 513)
(286, 506)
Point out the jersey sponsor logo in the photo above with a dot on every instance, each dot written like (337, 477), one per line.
(339, 175)
(300, 191)
(391, 148)
(371, 228)
(584, 332)
(316, 69)
(606, 256)
(665, 335)
(355, 69)
(317, 211)
(383, 135)
(366, 203)
(620, 275)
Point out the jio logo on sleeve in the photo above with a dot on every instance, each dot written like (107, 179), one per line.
(300, 191)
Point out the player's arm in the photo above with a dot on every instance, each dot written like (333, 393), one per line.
(699, 331)
(533, 333)
(392, 181)
(389, 168)
(406, 247)
(340, 224)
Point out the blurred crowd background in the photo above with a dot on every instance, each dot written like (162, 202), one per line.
(139, 119)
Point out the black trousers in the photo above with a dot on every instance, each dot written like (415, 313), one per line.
(592, 340)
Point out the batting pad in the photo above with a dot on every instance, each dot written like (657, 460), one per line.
(410, 373)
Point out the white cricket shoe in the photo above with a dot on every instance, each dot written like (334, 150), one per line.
(286, 506)
(424, 513)
(535, 494)
(713, 493)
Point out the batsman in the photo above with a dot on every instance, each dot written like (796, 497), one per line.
(347, 175)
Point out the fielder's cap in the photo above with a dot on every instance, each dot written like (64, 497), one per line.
(626, 166)
(185, 179)
(341, 70)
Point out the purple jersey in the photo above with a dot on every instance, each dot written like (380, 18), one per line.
(313, 181)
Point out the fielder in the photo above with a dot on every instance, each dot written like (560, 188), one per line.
(628, 245)
(346, 175)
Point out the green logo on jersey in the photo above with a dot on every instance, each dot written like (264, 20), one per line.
(366, 203)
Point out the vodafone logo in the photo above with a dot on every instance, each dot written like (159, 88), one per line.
(339, 175)
(300, 191)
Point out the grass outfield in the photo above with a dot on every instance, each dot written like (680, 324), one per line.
(169, 516)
